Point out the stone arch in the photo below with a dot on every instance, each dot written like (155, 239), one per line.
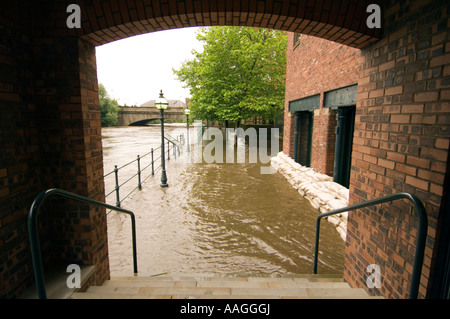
(142, 122)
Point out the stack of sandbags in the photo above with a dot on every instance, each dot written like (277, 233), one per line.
(320, 190)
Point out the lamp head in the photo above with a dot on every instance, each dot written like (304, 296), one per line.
(161, 103)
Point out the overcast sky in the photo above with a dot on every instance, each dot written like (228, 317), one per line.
(133, 70)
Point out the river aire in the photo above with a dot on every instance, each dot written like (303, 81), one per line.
(215, 216)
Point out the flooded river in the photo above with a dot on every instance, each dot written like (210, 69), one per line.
(213, 218)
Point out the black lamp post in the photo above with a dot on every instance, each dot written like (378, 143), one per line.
(187, 112)
(161, 104)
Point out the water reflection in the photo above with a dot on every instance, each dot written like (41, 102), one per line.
(219, 217)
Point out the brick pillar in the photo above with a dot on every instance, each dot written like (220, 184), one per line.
(67, 105)
(98, 246)
(324, 140)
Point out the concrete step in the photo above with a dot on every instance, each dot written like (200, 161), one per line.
(206, 286)
(56, 283)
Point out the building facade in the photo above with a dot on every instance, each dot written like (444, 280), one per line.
(378, 121)
(321, 82)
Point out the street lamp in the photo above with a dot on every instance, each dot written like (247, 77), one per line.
(161, 104)
(187, 112)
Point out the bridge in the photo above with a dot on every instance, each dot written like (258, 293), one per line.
(138, 116)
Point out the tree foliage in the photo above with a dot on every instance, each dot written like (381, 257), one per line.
(109, 108)
(239, 74)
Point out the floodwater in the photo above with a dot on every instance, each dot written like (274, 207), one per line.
(213, 218)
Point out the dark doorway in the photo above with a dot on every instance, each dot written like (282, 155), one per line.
(303, 137)
(344, 141)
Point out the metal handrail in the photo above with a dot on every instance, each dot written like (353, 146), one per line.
(130, 162)
(34, 237)
(422, 233)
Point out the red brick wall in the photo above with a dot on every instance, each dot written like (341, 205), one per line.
(401, 143)
(401, 140)
(49, 137)
(315, 66)
(20, 169)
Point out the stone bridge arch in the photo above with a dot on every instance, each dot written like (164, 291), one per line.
(141, 122)
(138, 116)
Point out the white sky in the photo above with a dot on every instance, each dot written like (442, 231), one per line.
(134, 70)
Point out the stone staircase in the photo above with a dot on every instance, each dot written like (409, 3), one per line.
(213, 286)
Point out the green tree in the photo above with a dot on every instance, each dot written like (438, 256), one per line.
(239, 74)
(109, 108)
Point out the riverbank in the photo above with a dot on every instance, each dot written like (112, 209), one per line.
(319, 189)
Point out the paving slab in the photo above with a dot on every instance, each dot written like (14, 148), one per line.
(185, 291)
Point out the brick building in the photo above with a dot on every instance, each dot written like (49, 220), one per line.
(50, 123)
(378, 121)
(321, 82)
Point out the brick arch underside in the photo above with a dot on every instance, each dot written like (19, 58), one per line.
(142, 122)
(339, 20)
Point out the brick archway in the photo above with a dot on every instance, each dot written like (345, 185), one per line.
(49, 108)
(341, 21)
(63, 87)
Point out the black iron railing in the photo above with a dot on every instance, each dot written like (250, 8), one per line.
(422, 233)
(153, 160)
(34, 236)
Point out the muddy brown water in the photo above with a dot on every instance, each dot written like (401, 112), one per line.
(213, 218)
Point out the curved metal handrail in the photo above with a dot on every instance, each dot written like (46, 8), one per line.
(422, 233)
(34, 236)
